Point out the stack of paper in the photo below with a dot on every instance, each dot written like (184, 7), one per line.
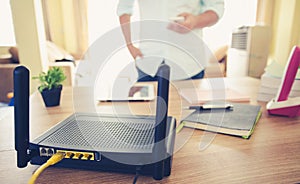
(196, 96)
(271, 80)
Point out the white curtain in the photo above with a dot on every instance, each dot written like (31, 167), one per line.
(66, 24)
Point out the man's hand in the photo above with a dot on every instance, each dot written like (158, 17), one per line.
(186, 25)
(134, 51)
(191, 21)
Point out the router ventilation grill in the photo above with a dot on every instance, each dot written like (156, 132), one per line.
(99, 133)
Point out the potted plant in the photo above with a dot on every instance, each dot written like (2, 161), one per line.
(51, 85)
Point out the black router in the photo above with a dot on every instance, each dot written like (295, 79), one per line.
(100, 142)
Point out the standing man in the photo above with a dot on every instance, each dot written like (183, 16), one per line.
(183, 17)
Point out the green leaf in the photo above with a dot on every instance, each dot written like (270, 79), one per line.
(50, 79)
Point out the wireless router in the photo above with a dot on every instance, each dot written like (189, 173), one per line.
(100, 142)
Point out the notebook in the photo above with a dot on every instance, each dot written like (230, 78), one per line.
(238, 121)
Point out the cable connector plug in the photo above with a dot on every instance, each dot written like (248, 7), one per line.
(55, 158)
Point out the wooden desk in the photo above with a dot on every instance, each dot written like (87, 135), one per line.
(271, 155)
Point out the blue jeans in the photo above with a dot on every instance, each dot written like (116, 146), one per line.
(143, 77)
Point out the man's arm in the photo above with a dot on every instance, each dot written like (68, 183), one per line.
(191, 21)
(202, 20)
(124, 11)
(126, 29)
(125, 25)
(211, 12)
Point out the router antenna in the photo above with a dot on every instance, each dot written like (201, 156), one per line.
(21, 111)
(159, 149)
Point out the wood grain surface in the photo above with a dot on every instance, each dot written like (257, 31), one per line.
(271, 155)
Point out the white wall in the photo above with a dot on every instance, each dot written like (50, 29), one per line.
(237, 13)
(7, 37)
(102, 18)
(30, 36)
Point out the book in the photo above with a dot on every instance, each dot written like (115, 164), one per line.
(269, 87)
(238, 121)
(266, 94)
(271, 81)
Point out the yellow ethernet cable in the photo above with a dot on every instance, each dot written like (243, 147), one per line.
(57, 157)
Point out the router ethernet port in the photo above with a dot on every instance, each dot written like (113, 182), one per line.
(89, 157)
(43, 151)
(77, 155)
(68, 155)
(72, 155)
(50, 152)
